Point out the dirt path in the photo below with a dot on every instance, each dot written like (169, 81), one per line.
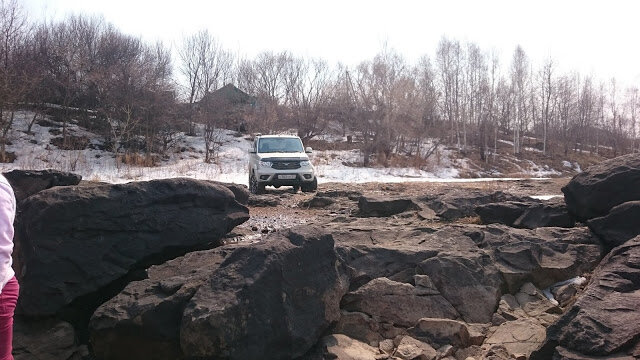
(292, 210)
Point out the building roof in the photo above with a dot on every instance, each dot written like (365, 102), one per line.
(231, 94)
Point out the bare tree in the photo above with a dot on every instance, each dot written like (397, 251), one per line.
(429, 119)
(520, 84)
(205, 65)
(384, 87)
(547, 94)
(631, 108)
(308, 85)
(449, 60)
(477, 93)
(13, 30)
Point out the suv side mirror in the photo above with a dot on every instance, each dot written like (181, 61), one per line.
(308, 150)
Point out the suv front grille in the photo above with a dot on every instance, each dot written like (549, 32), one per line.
(286, 165)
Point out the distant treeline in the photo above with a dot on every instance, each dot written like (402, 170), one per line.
(130, 92)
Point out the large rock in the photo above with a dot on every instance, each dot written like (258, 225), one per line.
(342, 347)
(375, 206)
(595, 191)
(530, 214)
(241, 192)
(359, 326)
(28, 182)
(76, 241)
(447, 206)
(501, 213)
(409, 349)
(470, 283)
(148, 313)
(542, 256)
(519, 337)
(464, 262)
(454, 205)
(604, 320)
(46, 339)
(619, 225)
(398, 303)
(442, 332)
(271, 300)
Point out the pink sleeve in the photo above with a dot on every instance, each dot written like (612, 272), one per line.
(7, 215)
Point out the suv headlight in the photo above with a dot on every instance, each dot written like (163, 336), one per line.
(305, 163)
(265, 164)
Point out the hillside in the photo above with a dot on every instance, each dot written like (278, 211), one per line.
(335, 159)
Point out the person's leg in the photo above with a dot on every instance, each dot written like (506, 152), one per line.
(8, 300)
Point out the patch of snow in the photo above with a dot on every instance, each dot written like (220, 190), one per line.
(577, 168)
(533, 150)
(186, 159)
(537, 171)
(574, 166)
(545, 197)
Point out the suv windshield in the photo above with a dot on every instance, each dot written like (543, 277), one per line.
(272, 145)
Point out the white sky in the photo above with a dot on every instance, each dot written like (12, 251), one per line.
(592, 37)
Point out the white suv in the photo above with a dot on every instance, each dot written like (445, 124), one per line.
(280, 160)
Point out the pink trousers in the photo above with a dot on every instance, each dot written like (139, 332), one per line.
(8, 300)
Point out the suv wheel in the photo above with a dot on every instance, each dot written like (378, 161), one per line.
(311, 187)
(254, 187)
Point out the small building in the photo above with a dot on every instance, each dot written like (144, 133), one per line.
(228, 106)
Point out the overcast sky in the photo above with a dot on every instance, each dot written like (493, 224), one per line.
(592, 37)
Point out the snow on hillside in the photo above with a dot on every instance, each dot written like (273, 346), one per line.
(35, 151)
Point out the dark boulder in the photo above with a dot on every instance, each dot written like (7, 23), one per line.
(469, 282)
(458, 204)
(470, 266)
(442, 331)
(545, 214)
(46, 339)
(28, 182)
(75, 241)
(271, 300)
(143, 321)
(399, 303)
(604, 320)
(383, 207)
(241, 192)
(542, 256)
(595, 191)
(274, 300)
(619, 225)
(501, 213)
(529, 214)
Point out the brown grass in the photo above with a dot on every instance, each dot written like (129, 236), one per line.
(136, 159)
(322, 145)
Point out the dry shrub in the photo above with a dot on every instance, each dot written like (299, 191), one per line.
(137, 159)
(322, 145)
(401, 161)
(7, 157)
(72, 142)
